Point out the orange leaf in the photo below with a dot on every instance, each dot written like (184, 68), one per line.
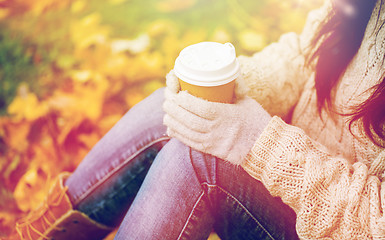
(108, 122)
(16, 135)
(89, 140)
(32, 187)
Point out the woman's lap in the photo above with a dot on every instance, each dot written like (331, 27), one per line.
(185, 194)
(169, 200)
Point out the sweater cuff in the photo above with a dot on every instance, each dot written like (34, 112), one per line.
(274, 149)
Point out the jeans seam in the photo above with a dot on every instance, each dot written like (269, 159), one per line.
(242, 206)
(80, 197)
(190, 215)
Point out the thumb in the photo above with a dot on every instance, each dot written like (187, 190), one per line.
(241, 88)
(172, 82)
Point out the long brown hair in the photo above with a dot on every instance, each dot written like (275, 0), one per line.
(336, 42)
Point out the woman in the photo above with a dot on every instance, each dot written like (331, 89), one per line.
(234, 168)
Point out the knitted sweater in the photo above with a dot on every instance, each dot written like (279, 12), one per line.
(332, 179)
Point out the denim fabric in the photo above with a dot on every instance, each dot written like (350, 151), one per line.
(185, 194)
(107, 180)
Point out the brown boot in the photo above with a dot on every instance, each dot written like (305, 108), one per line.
(56, 219)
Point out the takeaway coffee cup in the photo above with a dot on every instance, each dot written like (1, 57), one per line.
(208, 70)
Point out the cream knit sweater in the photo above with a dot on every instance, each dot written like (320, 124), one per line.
(333, 180)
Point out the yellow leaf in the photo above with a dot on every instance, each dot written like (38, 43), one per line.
(116, 2)
(134, 46)
(85, 101)
(116, 65)
(132, 98)
(17, 135)
(108, 122)
(221, 35)
(87, 104)
(175, 5)
(252, 41)
(88, 31)
(160, 27)
(171, 48)
(146, 66)
(89, 140)
(67, 126)
(193, 36)
(78, 6)
(45, 154)
(81, 75)
(4, 13)
(152, 86)
(37, 7)
(27, 106)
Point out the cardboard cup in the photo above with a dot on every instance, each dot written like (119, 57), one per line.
(208, 70)
(222, 93)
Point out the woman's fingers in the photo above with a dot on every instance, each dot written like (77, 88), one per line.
(198, 106)
(187, 118)
(172, 82)
(179, 130)
(188, 141)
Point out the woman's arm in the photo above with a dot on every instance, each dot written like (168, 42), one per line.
(332, 199)
(276, 75)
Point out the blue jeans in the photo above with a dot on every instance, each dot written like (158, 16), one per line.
(156, 188)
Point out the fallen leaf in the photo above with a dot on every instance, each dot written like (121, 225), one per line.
(174, 5)
(137, 45)
(27, 107)
(252, 41)
(32, 187)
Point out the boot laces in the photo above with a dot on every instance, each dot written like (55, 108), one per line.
(41, 212)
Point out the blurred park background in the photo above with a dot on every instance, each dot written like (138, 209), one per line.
(70, 69)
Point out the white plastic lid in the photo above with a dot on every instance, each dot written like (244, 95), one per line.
(207, 64)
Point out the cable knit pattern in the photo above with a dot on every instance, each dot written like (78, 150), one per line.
(332, 198)
(333, 180)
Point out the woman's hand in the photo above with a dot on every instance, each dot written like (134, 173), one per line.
(227, 131)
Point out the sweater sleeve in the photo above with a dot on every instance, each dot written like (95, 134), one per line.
(276, 75)
(332, 198)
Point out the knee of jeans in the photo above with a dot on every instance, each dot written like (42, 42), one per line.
(157, 97)
(175, 149)
(159, 92)
(175, 154)
(182, 157)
